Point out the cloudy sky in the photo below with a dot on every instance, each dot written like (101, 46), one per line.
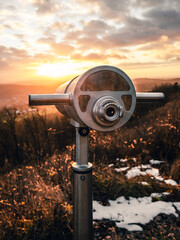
(46, 39)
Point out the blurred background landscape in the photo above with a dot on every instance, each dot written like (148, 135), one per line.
(17, 94)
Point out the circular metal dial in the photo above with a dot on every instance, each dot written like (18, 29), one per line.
(110, 95)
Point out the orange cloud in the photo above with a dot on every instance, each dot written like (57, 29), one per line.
(89, 57)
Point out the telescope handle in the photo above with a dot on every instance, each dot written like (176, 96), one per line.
(149, 97)
(49, 99)
(55, 99)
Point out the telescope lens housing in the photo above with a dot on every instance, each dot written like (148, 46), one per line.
(103, 98)
(110, 111)
(107, 111)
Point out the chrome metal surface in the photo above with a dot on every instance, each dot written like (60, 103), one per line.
(81, 149)
(116, 84)
(97, 91)
(82, 167)
(49, 99)
(77, 98)
(107, 111)
(82, 204)
(82, 190)
(154, 96)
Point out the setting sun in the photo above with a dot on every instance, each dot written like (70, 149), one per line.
(55, 69)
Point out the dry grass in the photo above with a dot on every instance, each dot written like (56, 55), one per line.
(33, 203)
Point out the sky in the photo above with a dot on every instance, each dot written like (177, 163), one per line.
(45, 40)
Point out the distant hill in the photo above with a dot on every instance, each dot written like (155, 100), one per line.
(12, 94)
(16, 89)
(146, 84)
(16, 94)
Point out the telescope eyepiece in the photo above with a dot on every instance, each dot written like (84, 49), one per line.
(107, 111)
(110, 111)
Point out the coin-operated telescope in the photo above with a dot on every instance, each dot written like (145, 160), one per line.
(102, 99)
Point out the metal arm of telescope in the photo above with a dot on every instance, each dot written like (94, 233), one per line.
(49, 99)
(143, 97)
(55, 99)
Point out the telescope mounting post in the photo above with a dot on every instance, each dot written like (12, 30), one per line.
(82, 186)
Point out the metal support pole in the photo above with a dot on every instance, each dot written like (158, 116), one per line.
(82, 188)
(82, 145)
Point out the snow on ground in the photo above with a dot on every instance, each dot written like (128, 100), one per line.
(152, 161)
(122, 160)
(153, 172)
(161, 179)
(111, 165)
(145, 166)
(143, 170)
(171, 182)
(121, 169)
(129, 213)
(134, 172)
(144, 183)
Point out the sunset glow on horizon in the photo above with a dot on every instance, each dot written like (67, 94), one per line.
(58, 69)
(58, 38)
(55, 69)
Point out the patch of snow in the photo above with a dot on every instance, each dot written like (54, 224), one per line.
(110, 165)
(152, 161)
(123, 160)
(159, 178)
(145, 166)
(130, 227)
(121, 169)
(171, 182)
(157, 195)
(166, 193)
(177, 205)
(129, 213)
(153, 172)
(143, 170)
(134, 172)
(144, 183)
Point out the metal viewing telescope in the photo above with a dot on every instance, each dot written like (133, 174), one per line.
(103, 99)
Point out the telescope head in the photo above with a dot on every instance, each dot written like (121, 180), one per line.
(102, 98)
